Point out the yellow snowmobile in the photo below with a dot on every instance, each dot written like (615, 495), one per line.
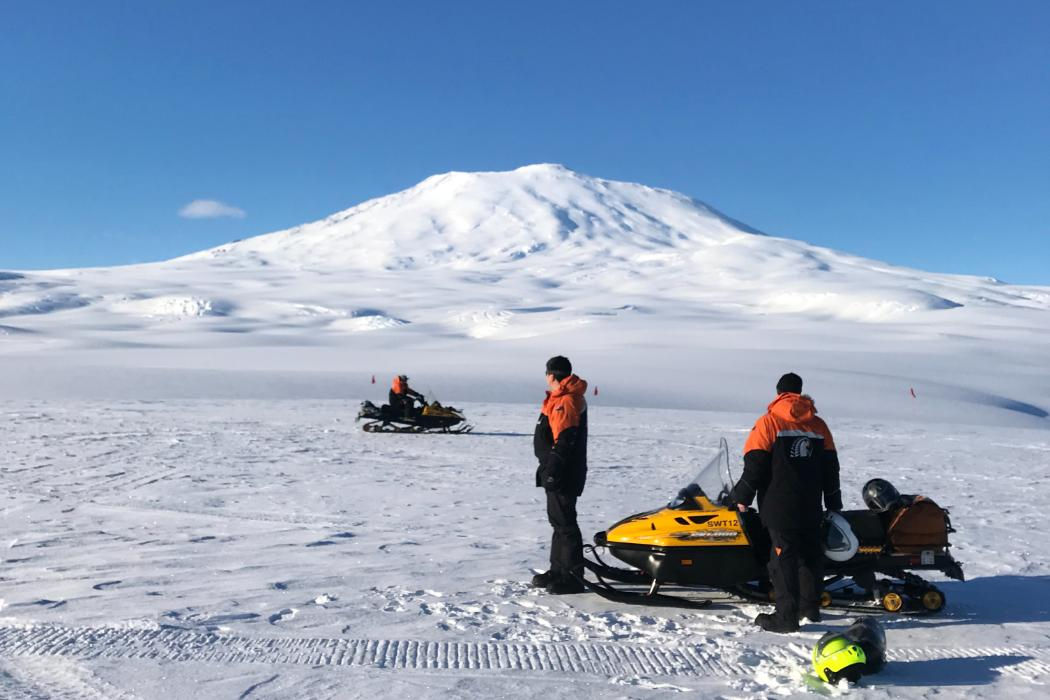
(700, 540)
(431, 418)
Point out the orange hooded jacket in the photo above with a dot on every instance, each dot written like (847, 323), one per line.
(788, 414)
(790, 461)
(560, 439)
(564, 406)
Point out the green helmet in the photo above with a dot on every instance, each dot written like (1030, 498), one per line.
(835, 658)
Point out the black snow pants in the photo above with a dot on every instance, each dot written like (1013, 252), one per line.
(567, 542)
(796, 568)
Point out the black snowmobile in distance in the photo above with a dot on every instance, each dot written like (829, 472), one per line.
(431, 417)
(700, 540)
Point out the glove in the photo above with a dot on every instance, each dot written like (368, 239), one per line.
(549, 475)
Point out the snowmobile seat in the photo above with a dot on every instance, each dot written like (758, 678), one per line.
(371, 411)
(867, 526)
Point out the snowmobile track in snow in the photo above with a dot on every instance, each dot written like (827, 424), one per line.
(184, 645)
(599, 659)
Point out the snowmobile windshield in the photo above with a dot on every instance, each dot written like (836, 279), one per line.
(713, 481)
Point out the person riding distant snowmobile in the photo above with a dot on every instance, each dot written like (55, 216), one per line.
(789, 462)
(402, 399)
(560, 445)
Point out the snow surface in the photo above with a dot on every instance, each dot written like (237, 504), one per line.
(212, 548)
(190, 510)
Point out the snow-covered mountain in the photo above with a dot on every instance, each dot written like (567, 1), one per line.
(549, 228)
(501, 265)
(465, 220)
(540, 227)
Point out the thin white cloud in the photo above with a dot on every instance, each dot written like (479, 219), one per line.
(210, 209)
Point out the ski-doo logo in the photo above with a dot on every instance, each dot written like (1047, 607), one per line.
(801, 448)
(709, 535)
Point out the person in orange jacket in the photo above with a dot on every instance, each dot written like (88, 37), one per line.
(402, 397)
(790, 461)
(560, 445)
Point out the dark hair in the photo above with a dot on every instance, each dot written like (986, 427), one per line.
(559, 366)
(790, 383)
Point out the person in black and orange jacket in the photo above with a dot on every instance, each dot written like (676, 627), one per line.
(401, 397)
(560, 445)
(790, 461)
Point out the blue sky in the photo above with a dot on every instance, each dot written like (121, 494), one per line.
(913, 132)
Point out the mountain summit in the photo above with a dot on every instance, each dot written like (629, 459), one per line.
(546, 226)
(486, 218)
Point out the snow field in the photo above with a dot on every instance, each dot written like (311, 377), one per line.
(273, 547)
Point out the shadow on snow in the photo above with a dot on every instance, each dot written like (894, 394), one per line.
(980, 670)
(989, 600)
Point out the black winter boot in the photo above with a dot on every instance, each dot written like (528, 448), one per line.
(541, 580)
(771, 623)
(565, 586)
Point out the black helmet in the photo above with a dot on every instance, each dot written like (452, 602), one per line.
(868, 634)
(879, 495)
